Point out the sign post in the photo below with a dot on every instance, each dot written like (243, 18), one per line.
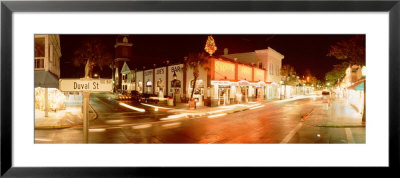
(85, 104)
(85, 86)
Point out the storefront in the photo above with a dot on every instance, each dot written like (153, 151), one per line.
(149, 87)
(176, 89)
(139, 81)
(160, 82)
(258, 90)
(243, 88)
(47, 96)
(175, 80)
(198, 93)
(55, 99)
(221, 92)
(160, 88)
(148, 79)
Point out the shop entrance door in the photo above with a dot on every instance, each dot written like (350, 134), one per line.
(223, 96)
(245, 91)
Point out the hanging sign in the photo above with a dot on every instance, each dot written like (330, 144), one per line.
(218, 82)
(243, 83)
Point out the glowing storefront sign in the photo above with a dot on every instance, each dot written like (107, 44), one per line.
(244, 72)
(224, 70)
(215, 82)
(243, 83)
(258, 84)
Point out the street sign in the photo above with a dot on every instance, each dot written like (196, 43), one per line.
(86, 85)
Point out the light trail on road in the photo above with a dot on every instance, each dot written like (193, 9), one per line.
(156, 107)
(131, 107)
(217, 115)
(270, 122)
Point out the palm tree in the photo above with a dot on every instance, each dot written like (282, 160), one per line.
(196, 61)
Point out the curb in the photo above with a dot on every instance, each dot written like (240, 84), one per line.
(341, 126)
(57, 126)
(95, 113)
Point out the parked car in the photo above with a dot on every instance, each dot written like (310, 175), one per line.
(147, 98)
(326, 96)
(136, 96)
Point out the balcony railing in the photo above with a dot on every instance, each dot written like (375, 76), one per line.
(39, 63)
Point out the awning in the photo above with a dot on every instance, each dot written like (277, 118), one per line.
(358, 86)
(45, 79)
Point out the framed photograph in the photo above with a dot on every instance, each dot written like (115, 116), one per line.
(172, 88)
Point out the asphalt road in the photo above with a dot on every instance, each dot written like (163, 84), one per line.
(294, 121)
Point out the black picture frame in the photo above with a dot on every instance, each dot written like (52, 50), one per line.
(8, 7)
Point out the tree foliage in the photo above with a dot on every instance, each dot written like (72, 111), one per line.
(309, 78)
(352, 50)
(94, 50)
(337, 73)
(289, 75)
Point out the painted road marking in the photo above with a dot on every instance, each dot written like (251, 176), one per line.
(349, 135)
(292, 133)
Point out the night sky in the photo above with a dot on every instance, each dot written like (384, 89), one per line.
(301, 51)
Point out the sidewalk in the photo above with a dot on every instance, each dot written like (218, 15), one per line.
(71, 116)
(338, 114)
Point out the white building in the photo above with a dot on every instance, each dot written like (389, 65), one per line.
(267, 59)
(352, 87)
(47, 73)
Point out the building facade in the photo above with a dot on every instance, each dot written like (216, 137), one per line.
(267, 59)
(47, 74)
(229, 79)
(352, 87)
(225, 82)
